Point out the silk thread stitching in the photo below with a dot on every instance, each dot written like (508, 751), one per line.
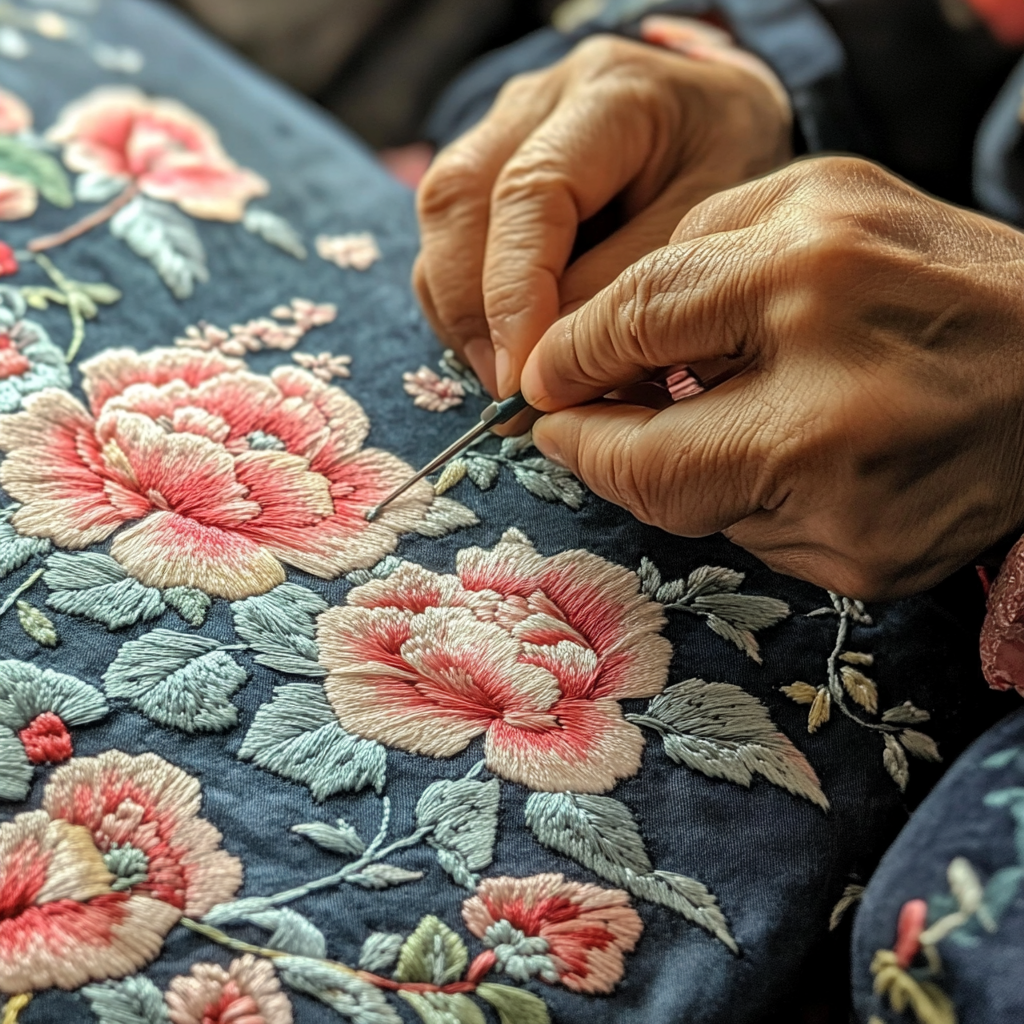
(350, 252)
(431, 392)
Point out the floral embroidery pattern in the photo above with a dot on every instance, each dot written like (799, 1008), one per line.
(25, 168)
(91, 884)
(534, 652)
(264, 333)
(324, 365)
(229, 474)
(247, 991)
(358, 251)
(29, 361)
(431, 392)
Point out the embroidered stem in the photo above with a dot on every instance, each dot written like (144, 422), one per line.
(10, 601)
(97, 217)
(14, 1006)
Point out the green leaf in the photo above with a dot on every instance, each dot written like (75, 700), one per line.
(15, 769)
(275, 230)
(341, 838)
(441, 1008)
(135, 1000)
(36, 624)
(177, 679)
(1002, 758)
(20, 160)
(463, 818)
(104, 294)
(281, 626)
(514, 1005)
(298, 736)
(549, 481)
(96, 587)
(1001, 890)
(482, 472)
(16, 550)
(513, 446)
(380, 951)
(290, 931)
(687, 897)
(433, 954)
(191, 604)
(349, 996)
(27, 691)
(649, 576)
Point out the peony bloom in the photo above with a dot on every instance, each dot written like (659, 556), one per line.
(560, 931)
(15, 116)
(227, 474)
(91, 884)
(169, 152)
(247, 992)
(533, 652)
(29, 361)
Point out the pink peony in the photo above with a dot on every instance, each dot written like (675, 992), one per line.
(91, 884)
(169, 152)
(247, 992)
(561, 931)
(533, 652)
(227, 475)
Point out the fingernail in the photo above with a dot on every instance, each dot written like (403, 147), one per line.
(503, 371)
(549, 450)
(479, 354)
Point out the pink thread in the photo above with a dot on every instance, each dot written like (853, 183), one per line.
(46, 739)
(912, 921)
(431, 392)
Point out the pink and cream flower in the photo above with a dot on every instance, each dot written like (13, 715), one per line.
(91, 884)
(165, 149)
(18, 196)
(248, 992)
(15, 116)
(227, 475)
(534, 653)
(560, 931)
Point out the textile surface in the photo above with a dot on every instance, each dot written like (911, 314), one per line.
(504, 754)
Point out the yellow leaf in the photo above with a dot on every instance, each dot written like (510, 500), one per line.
(855, 658)
(802, 693)
(920, 745)
(820, 711)
(452, 474)
(860, 688)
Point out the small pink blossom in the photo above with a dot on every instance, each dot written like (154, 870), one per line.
(432, 392)
(358, 251)
(306, 313)
(325, 366)
(266, 333)
(203, 336)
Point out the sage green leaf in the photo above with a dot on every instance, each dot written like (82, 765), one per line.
(275, 230)
(463, 818)
(15, 768)
(20, 160)
(514, 1005)
(27, 691)
(441, 1008)
(482, 472)
(341, 838)
(433, 954)
(380, 951)
(97, 587)
(281, 627)
(16, 550)
(546, 480)
(36, 624)
(688, 897)
(135, 1000)
(191, 604)
(348, 995)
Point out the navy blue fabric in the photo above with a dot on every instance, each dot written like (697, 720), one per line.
(776, 863)
(976, 812)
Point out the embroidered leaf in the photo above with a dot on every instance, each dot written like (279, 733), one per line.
(1001, 891)
(920, 745)
(802, 693)
(341, 838)
(726, 733)
(551, 482)
(290, 932)
(905, 714)
(687, 897)
(702, 582)
(514, 1005)
(16, 550)
(453, 366)
(96, 587)
(1002, 758)
(433, 954)
(454, 472)
(381, 571)
(596, 831)
(855, 658)
(20, 160)
(482, 472)
(383, 876)
(177, 679)
(36, 624)
(348, 995)
(860, 688)
(445, 516)
(650, 578)
(98, 187)
(463, 817)
(281, 626)
(273, 228)
(512, 446)
(169, 241)
(15, 769)
(442, 1008)
(380, 951)
(852, 894)
(298, 736)
(895, 762)
(135, 1000)
(27, 692)
(821, 710)
(191, 604)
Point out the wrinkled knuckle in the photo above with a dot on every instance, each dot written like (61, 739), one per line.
(520, 88)
(526, 178)
(454, 175)
(604, 51)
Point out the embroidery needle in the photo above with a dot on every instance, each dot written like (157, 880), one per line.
(495, 414)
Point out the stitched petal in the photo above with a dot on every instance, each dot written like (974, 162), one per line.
(18, 198)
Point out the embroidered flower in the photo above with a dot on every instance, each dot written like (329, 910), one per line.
(307, 314)
(432, 392)
(560, 931)
(18, 198)
(533, 652)
(166, 150)
(324, 366)
(91, 884)
(229, 474)
(15, 116)
(247, 992)
(8, 261)
(29, 361)
(261, 333)
(358, 252)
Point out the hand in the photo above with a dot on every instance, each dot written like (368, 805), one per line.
(500, 208)
(876, 442)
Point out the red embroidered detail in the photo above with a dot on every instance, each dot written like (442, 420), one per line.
(12, 362)
(1002, 635)
(912, 920)
(1005, 18)
(8, 261)
(46, 739)
(248, 992)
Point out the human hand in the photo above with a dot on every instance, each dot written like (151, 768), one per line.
(876, 441)
(499, 209)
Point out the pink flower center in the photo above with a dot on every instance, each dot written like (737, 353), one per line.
(12, 362)
(233, 1007)
(46, 739)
